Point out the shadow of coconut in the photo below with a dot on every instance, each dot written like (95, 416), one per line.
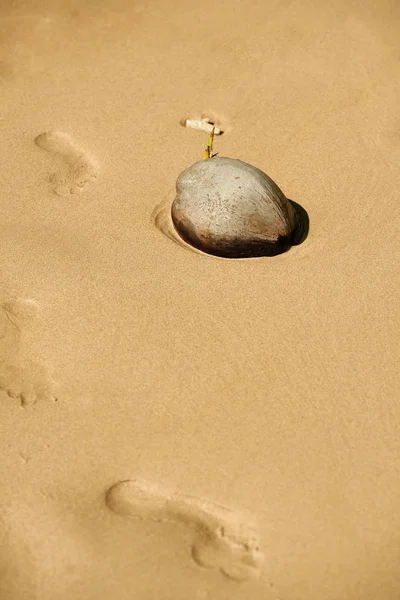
(302, 224)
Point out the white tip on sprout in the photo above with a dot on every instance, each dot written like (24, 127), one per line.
(202, 125)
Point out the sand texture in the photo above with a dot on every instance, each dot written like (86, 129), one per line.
(177, 425)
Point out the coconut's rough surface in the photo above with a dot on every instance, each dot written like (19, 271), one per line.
(226, 207)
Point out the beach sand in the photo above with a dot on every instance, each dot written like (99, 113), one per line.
(176, 426)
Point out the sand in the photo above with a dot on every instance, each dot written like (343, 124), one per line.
(176, 426)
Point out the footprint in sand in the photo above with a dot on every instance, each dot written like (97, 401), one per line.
(81, 168)
(21, 376)
(223, 538)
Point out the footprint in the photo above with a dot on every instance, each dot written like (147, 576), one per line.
(21, 376)
(223, 538)
(81, 168)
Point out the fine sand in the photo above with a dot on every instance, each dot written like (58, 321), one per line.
(177, 426)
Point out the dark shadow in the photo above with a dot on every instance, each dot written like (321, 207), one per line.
(302, 224)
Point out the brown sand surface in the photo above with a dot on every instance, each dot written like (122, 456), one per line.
(261, 387)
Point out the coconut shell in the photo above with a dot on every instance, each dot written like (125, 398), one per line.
(228, 208)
